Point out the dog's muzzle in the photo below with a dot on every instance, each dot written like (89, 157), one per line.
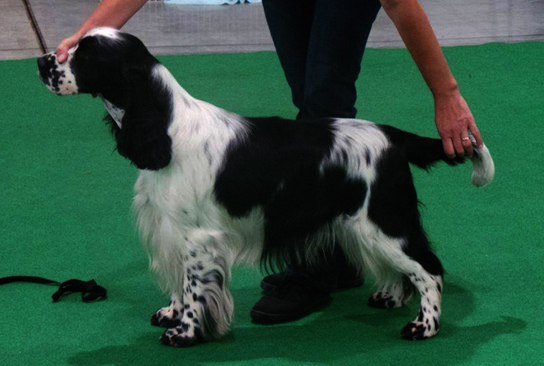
(57, 77)
(46, 67)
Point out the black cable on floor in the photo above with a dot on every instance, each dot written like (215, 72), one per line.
(35, 26)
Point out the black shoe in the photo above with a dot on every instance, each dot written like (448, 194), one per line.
(287, 301)
(344, 282)
(272, 281)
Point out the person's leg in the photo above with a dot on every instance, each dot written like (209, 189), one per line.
(290, 25)
(340, 31)
(321, 55)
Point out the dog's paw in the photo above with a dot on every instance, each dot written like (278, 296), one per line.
(416, 331)
(167, 318)
(178, 337)
(382, 300)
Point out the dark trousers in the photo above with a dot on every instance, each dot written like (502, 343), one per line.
(320, 44)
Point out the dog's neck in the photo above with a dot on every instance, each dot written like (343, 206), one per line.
(167, 79)
(188, 110)
(161, 73)
(184, 105)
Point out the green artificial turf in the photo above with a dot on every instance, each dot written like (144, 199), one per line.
(65, 212)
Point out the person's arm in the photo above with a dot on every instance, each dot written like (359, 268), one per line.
(452, 115)
(109, 13)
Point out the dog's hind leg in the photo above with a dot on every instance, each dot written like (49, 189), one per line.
(207, 304)
(396, 244)
(426, 274)
(391, 260)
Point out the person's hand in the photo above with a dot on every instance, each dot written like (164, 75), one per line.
(64, 46)
(453, 120)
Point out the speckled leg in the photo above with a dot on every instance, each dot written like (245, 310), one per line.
(170, 316)
(393, 295)
(427, 322)
(207, 306)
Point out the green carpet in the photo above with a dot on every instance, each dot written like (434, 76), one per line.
(65, 213)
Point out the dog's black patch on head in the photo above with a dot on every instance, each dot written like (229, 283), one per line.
(278, 167)
(120, 69)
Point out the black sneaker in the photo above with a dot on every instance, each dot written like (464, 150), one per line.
(288, 300)
(345, 281)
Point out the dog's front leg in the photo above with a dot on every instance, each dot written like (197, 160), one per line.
(170, 316)
(207, 306)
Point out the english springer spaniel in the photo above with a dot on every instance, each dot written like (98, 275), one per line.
(216, 189)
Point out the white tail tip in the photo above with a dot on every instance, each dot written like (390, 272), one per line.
(484, 168)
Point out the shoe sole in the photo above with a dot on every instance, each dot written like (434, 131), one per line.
(267, 319)
(342, 286)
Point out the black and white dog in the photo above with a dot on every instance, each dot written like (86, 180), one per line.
(217, 189)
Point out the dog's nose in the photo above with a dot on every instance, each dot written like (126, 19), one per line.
(44, 66)
(42, 61)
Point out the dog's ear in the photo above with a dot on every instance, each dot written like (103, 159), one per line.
(143, 137)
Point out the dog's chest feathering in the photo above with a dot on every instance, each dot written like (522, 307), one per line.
(116, 113)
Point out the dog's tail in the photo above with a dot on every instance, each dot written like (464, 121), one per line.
(424, 152)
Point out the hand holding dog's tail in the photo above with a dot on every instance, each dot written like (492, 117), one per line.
(424, 152)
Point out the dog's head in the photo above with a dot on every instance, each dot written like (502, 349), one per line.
(104, 62)
(118, 67)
